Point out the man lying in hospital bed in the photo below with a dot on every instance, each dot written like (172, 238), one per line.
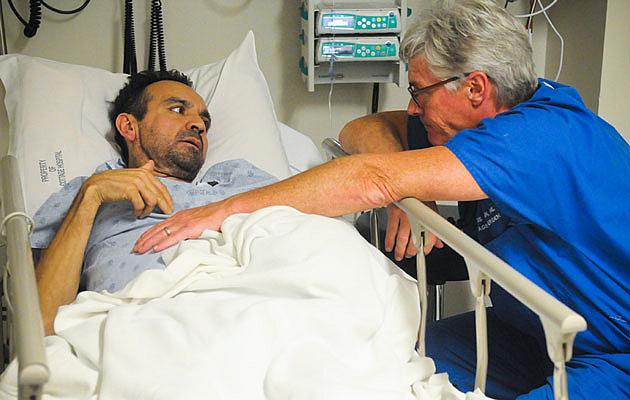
(279, 304)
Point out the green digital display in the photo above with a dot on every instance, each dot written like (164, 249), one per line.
(343, 21)
(358, 50)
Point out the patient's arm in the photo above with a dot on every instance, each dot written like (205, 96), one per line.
(59, 270)
(384, 132)
(338, 187)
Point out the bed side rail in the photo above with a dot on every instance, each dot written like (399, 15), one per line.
(22, 297)
(560, 323)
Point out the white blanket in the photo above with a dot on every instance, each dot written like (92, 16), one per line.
(280, 305)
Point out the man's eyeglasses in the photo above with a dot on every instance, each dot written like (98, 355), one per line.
(417, 92)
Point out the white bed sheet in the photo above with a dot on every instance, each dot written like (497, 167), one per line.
(279, 305)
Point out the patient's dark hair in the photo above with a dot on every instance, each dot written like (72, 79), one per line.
(133, 99)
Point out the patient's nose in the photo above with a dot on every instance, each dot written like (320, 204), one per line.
(196, 124)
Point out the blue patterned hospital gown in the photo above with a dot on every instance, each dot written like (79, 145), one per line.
(109, 263)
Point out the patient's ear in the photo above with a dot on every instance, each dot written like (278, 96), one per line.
(127, 126)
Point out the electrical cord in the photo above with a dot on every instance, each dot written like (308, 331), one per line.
(559, 37)
(530, 20)
(541, 11)
(16, 13)
(66, 12)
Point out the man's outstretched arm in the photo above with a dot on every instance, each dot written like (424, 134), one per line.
(339, 187)
(58, 271)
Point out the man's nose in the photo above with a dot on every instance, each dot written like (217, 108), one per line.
(413, 108)
(196, 123)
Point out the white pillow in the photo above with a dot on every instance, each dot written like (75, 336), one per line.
(302, 153)
(59, 127)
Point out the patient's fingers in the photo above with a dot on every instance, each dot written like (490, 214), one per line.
(137, 185)
(186, 224)
(163, 198)
(165, 234)
(146, 186)
(159, 195)
(136, 201)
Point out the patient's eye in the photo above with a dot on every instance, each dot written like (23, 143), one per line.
(178, 109)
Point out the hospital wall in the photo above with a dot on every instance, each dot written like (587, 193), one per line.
(597, 55)
(203, 31)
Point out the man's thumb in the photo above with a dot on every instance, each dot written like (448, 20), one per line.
(149, 165)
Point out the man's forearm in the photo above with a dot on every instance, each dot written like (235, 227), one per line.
(367, 181)
(59, 269)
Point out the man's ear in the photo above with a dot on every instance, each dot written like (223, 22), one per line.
(478, 88)
(127, 126)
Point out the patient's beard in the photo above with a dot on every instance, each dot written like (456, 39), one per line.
(177, 163)
(184, 165)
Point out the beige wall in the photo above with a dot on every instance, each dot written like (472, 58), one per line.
(581, 23)
(615, 82)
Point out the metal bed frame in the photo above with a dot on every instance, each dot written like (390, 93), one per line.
(560, 323)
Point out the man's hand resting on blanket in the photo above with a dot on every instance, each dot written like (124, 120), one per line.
(186, 224)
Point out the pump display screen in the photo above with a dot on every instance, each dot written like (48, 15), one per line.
(338, 21)
(329, 50)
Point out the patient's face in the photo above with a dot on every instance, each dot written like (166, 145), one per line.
(173, 131)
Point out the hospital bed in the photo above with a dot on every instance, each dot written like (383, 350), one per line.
(23, 328)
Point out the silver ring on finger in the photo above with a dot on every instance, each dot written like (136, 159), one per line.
(167, 231)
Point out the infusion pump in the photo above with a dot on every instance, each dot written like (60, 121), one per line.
(368, 48)
(356, 21)
(352, 41)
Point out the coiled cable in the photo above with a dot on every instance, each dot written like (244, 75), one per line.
(129, 58)
(157, 36)
(35, 17)
(35, 14)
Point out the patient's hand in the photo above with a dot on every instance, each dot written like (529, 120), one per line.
(399, 235)
(186, 224)
(137, 185)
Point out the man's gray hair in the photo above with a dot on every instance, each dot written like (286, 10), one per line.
(460, 36)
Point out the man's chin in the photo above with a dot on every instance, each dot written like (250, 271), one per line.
(186, 168)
